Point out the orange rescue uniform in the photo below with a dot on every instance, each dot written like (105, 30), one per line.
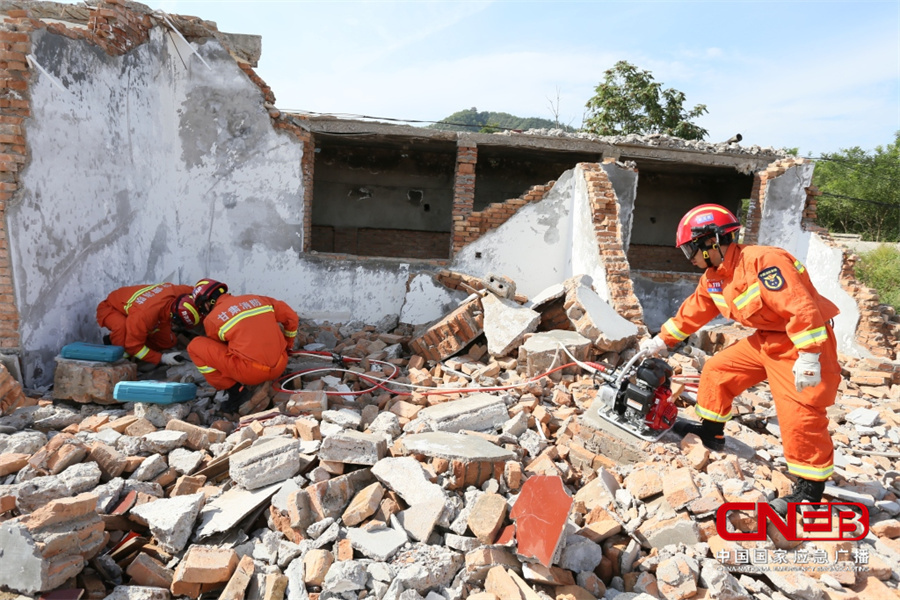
(766, 288)
(247, 340)
(139, 318)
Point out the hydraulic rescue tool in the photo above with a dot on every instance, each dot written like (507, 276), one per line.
(637, 397)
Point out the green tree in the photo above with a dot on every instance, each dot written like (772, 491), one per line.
(861, 191)
(628, 100)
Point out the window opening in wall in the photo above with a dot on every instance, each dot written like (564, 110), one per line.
(369, 197)
(664, 193)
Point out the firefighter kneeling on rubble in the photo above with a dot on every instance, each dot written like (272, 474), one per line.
(144, 320)
(247, 343)
(794, 347)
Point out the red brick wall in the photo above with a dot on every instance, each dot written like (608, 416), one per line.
(605, 213)
(476, 224)
(464, 197)
(658, 258)
(397, 243)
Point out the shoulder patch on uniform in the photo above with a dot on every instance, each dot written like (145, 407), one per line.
(714, 287)
(771, 279)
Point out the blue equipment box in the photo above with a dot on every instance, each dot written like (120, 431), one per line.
(95, 352)
(154, 392)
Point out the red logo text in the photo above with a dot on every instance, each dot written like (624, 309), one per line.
(834, 521)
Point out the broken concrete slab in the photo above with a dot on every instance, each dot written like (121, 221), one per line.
(550, 349)
(223, 513)
(271, 460)
(596, 320)
(476, 412)
(420, 518)
(42, 550)
(405, 476)
(377, 543)
(455, 446)
(171, 519)
(353, 447)
(506, 324)
(163, 442)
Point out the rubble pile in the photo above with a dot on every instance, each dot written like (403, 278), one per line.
(471, 476)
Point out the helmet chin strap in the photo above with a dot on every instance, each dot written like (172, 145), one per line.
(714, 246)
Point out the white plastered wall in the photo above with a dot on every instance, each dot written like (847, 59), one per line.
(152, 167)
(780, 226)
(544, 243)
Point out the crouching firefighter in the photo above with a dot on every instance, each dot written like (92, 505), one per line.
(246, 344)
(145, 320)
(794, 347)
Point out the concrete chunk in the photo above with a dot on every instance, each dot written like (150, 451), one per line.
(455, 446)
(138, 592)
(266, 462)
(546, 350)
(596, 320)
(506, 324)
(353, 447)
(226, 511)
(171, 520)
(377, 543)
(476, 412)
(163, 442)
(406, 476)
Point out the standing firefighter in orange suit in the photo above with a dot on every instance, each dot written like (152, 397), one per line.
(247, 343)
(794, 347)
(141, 317)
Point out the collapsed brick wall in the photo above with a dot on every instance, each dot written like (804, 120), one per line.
(878, 329)
(758, 195)
(476, 224)
(605, 214)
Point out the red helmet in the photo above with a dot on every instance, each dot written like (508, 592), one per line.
(702, 222)
(184, 311)
(206, 292)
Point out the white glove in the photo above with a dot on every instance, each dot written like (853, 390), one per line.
(807, 371)
(654, 346)
(171, 358)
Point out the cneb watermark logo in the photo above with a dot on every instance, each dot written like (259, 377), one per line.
(806, 521)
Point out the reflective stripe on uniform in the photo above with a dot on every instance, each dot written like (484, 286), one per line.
(719, 299)
(241, 316)
(799, 265)
(812, 336)
(674, 331)
(806, 472)
(205, 369)
(711, 416)
(290, 333)
(138, 293)
(142, 352)
(751, 293)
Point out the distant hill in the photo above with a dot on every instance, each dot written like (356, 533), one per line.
(472, 120)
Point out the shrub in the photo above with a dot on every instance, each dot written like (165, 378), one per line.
(880, 269)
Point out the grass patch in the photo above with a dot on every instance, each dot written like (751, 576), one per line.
(880, 269)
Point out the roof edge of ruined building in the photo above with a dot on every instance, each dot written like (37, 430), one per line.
(243, 47)
(746, 159)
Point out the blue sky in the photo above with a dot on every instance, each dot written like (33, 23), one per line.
(816, 75)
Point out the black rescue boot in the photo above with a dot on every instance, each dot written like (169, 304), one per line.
(106, 340)
(711, 433)
(804, 490)
(237, 395)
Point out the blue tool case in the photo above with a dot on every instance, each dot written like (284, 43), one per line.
(95, 352)
(154, 392)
